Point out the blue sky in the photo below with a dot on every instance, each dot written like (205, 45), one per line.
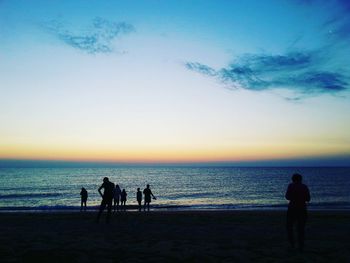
(174, 81)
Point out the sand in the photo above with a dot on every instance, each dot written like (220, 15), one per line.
(188, 236)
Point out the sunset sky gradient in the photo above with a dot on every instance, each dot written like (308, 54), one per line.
(175, 81)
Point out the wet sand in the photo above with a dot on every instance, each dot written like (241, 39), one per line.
(188, 236)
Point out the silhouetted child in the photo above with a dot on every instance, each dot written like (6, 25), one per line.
(297, 194)
(123, 199)
(117, 193)
(139, 197)
(148, 193)
(84, 197)
(107, 198)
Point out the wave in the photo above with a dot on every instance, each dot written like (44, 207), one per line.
(190, 195)
(31, 195)
(327, 204)
(44, 208)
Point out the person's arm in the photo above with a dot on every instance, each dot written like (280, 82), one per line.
(288, 193)
(307, 197)
(152, 195)
(99, 190)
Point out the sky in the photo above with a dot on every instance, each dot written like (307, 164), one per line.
(175, 81)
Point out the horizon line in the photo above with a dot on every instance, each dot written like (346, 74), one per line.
(330, 161)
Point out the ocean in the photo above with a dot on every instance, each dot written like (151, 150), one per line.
(184, 188)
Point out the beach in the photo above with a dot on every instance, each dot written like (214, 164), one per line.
(170, 236)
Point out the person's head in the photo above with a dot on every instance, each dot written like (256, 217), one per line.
(82, 188)
(116, 185)
(147, 186)
(138, 189)
(123, 190)
(105, 180)
(297, 178)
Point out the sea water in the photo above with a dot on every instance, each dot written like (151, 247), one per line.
(174, 187)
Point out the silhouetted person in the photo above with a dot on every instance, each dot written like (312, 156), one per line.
(123, 199)
(84, 197)
(297, 194)
(139, 197)
(107, 198)
(148, 193)
(117, 193)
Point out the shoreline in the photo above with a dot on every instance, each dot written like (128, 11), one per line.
(162, 212)
(161, 208)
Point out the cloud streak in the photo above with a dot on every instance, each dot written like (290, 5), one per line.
(303, 73)
(98, 38)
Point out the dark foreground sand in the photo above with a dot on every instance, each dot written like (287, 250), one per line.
(232, 236)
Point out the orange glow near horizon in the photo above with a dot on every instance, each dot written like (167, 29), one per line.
(170, 154)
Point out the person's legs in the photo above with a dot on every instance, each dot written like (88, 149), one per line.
(139, 205)
(301, 221)
(102, 207)
(117, 204)
(81, 205)
(290, 223)
(109, 210)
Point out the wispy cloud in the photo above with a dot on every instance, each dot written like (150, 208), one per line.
(98, 38)
(201, 68)
(303, 73)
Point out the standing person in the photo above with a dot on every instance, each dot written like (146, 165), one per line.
(84, 197)
(297, 194)
(123, 199)
(148, 193)
(139, 197)
(107, 198)
(117, 193)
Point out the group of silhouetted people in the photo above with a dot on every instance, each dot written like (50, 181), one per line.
(148, 194)
(113, 196)
(119, 197)
(297, 194)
